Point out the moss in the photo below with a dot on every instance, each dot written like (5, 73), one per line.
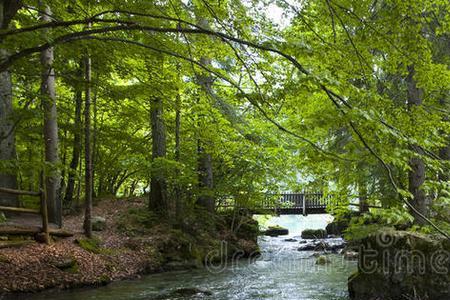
(74, 269)
(314, 234)
(3, 259)
(2, 218)
(91, 245)
(104, 279)
(322, 260)
(136, 222)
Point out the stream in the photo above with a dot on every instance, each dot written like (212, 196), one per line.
(281, 272)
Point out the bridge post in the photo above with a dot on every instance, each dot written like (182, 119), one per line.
(304, 205)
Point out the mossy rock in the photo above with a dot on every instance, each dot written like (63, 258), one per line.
(2, 218)
(98, 223)
(322, 260)
(314, 234)
(276, 231)
(91, 245)
(402, 264)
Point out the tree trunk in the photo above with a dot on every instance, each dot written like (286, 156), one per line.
(158, 188)
(94, 137)
(444, 153)
(205, 179)
(417, 165)
(87, 150)
(362, 191)
(205, 170)
(62, 184)
(48, 93)
(8, 177)
(178, 200)
(76, 148)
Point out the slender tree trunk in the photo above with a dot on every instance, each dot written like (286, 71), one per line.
(62, 184)
(178, 199)
(76, 148)
(94, 138)
(444, 153)
(158, 188)
(205, 179)
(132, 188)
(8, 176)
(87, 151)
(48, 93)
(417, 165)
(362, 191)
(205, 169)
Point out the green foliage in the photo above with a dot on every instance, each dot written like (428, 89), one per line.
(333, 120)
(360, 227)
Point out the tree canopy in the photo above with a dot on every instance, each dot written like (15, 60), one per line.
(207, 101)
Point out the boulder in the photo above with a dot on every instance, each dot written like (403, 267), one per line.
(341, 223)
(401, 265)
(248, 247)
(336, 245)
(307, 247)
(290, 240)
(328, 246)
(190, 292)
(314, 234)
(98, 223)
(63, 263)
(276, 231)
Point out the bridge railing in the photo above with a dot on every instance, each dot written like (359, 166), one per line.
(284, 201)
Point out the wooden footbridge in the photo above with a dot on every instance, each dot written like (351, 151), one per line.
(286, 204)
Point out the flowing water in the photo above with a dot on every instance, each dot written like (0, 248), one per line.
(281, 272)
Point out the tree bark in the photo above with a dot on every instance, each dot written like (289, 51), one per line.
(178, 200)
(76, 148)
(158, 187)
(8, 177)
(94, 138)
(444, 153)
(362, 191)
(205, 169)
(205, 179)
(87, 150)
(416, 175)
(48, 93)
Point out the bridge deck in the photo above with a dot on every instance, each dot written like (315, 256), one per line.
(289, 204)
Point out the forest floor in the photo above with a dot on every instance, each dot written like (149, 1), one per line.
(131, 244)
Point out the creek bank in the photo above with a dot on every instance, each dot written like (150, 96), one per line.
(340, 223)
(401, 265)
(132, 243)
